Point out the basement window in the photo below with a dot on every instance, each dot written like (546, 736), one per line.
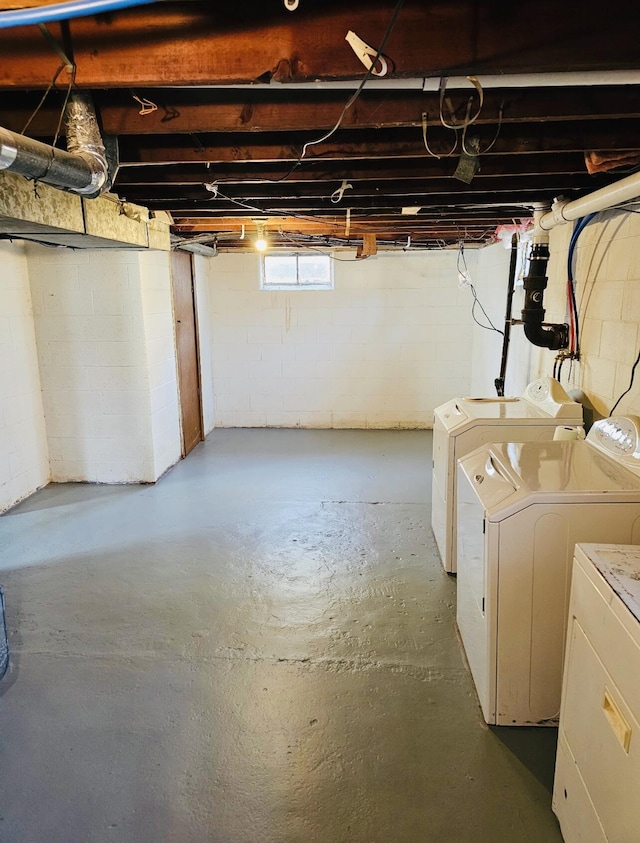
(296, 271)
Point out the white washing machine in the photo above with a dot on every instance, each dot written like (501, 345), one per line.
(463, 424)
(522, 507)
(597, 775)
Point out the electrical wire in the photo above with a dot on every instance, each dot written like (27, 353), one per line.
(493, 142)
(425, 118)
(628, 389)
(300, 244)
(578, 228)
(43, 98)
(64, 11)
(463, 271)
(476, 301)
(353, 97)
(349, 102)
(593, 272)
(468, 121)
(364, 81)
(275, 213)
(72, 80)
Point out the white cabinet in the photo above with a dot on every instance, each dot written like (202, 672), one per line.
(596, 794)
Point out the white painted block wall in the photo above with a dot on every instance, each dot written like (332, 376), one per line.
(160, 346)
(608, 293)
(490, 280)
(390, 343)
(24, 462)
(608, 285)
(205, 337)
(106, 384)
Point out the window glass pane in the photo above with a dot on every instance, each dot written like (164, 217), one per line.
(280, 269)
(296, 271)
(314, 269)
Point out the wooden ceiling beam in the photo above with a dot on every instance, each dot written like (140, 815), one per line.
(263, 110)
(367, 144)
(398, 191)
(203, 43)
(194, 226)
(457, 196)
(492, 165)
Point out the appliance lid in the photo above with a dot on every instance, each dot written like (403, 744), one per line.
(496, 410)
(566, 466)
(619, 564)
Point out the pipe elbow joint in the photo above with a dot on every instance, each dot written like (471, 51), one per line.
(99, 172)
(554, 336)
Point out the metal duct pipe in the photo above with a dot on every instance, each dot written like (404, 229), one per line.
(82, 169)
(84, 141)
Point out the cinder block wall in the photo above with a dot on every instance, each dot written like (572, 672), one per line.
(24, 461)
(157, 313)
(608, 293)
(205, 339)
(109, 389)
(383, 349)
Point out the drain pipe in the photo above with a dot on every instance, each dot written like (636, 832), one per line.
(82, 169)
(506, 335)
(563, 210)
(556, 336)
(551, 336)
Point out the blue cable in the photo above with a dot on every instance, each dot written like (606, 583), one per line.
(64, 11)
(579, 227)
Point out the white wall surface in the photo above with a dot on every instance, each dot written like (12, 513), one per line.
(24, 462)
(93, 368)
(106, 384)
(159, 334)
(491, 281)
(608, 293)
(390, 343)
(202, 289)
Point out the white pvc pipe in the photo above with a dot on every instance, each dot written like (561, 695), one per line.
(600, 200)
(588, 79)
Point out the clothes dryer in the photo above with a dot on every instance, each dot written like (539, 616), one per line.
(463, 424)
(522, 507)
(595, 792)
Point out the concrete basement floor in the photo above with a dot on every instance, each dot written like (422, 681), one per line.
(261, 648)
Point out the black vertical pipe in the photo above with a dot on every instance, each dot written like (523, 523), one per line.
(499, 381)
(554, 336)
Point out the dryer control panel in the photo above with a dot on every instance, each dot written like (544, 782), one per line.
(619, 436)
(549, 396)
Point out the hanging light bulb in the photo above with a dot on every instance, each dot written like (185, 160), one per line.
(261, 241)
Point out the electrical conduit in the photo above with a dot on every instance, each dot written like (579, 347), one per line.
(64, 11)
